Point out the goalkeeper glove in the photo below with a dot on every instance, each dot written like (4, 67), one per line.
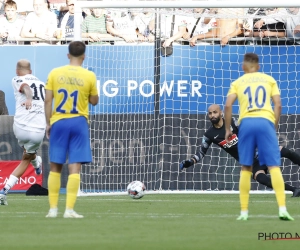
(186, 164)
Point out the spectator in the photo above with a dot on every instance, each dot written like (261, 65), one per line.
(86, 12)
(248, 23)
(2, 2)
(166, 24)
(11, 24)
(203, 24)
(3, 107)
(66, 22)
(272, 29)
(55, 8)
(290, 17)
(188, 26)
(180, 24)
(122, 24)
(229, 23)
(41, 23)
(94, 26)
(145, 22)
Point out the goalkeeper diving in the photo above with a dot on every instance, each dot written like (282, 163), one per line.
(216, 134)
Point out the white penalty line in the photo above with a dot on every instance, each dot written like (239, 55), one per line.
(136, 215)
(144, 199)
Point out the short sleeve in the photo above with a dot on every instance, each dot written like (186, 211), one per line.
(232, 89)
(84, 28)
(275, 89)
(17, 83)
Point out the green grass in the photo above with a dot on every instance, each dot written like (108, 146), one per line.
(154, 222)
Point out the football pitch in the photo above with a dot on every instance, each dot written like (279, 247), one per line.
(196, 221)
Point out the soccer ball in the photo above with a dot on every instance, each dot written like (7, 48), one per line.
(136, 189)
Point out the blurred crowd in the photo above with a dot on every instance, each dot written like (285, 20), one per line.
(53, 23)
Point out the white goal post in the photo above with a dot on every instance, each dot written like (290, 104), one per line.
(152, 109)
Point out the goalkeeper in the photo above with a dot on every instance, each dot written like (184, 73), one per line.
(216, 134)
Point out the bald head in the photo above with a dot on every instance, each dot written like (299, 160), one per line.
(214, 114)
(23, 67)
(214, 107)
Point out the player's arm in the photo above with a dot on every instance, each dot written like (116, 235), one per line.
(228, 114)
(235, 125)
(277, 109)
(275, 95)
(179, 34)
(280, 16)
(48, 109)
(26, 90)
(205, 144)
(93, 97)
(112, 31)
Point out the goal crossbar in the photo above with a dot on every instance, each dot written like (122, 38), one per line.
(185, 4)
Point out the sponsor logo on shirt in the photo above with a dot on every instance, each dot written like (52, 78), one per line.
(233, 140)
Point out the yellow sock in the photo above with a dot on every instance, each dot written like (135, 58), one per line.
(53, 188)
(72, 190)
(244, 187)
(278, 185)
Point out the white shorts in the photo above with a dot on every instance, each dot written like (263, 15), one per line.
(29, 140)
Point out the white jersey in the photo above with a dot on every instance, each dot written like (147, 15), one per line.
(122, 21)
(46, 23)
(32, 119)
(12, 28)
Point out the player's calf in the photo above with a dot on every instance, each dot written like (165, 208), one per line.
(291, 155)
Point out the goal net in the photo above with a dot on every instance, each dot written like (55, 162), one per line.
(152, 112)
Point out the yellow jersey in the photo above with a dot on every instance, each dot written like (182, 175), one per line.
(254, 92)
(71, 86)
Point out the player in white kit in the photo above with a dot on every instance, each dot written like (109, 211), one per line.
(29, 122)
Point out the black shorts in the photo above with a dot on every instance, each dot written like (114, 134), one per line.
(279, 27)
(256, 167)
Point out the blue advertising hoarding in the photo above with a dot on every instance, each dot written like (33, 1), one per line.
(191, 79)
(215, 67)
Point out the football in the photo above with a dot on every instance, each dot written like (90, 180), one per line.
(136, 189)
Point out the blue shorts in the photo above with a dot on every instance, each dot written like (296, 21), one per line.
(69, 138)
(258, 133)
